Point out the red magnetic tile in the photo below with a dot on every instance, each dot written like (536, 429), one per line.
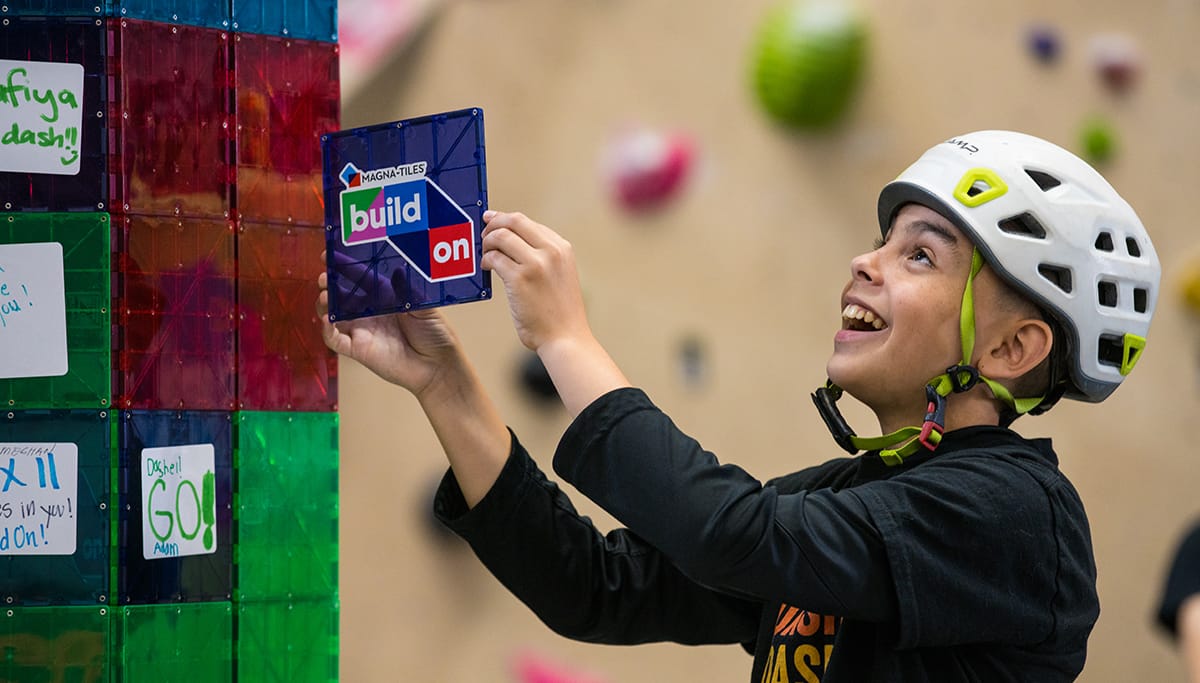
(172, 143)
(283, 363)
(175, 318)
(287, 97)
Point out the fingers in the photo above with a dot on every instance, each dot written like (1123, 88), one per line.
(330, 334)
(323, 294)
(499, 262)
(535, 234)
(323, 278)
(323, 304)
(522, 240)
(508, 243)
(333, 337)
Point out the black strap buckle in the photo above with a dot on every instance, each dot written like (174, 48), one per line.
(825, 399)
(962, 377)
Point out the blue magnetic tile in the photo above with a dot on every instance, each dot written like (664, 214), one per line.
(306, 19)
(71, 8)
(190, 578)
(82, 576)
(74, 41)
(208, 13)
(399, 239)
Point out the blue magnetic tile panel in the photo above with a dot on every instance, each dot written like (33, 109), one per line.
(404, 205)
(73, 41)
(29, 506)
(188, 578)
(42, 8)
(208, 13)
(306, 19)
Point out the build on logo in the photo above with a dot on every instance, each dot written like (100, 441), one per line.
(402, 207)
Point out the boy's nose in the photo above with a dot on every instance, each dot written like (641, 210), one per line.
(863, 267)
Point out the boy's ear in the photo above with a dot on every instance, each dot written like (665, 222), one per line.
(1023, 346)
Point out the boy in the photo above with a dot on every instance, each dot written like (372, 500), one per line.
(953, 549)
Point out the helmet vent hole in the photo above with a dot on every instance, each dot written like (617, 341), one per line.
(1107, 292)
(1132, 247)
(1104, 241)
(1111, 350)
(1057, 275)
(978, 187)
(1024, 224)
(1044, 180)
(1139, 299)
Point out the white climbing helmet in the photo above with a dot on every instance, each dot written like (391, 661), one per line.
(1055, 230)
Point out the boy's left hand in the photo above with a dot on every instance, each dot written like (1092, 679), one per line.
(538, 269)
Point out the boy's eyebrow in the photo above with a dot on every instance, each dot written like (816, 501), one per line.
(945, 236)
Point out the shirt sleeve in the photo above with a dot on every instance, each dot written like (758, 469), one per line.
(1183, 580)
(718, 524)
(612, 588)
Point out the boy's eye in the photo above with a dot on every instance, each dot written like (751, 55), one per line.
(920, 254)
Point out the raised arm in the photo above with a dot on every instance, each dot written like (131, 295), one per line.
(538, 269)
(611, 589)
(420, 352)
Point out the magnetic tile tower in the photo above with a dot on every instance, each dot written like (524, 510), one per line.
(168, 425)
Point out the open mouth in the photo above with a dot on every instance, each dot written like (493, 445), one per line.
(855, 317)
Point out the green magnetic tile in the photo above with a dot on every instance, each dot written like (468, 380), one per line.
(54, 645)
(178, 642)
(82, 577)
(85, 238)
(288, 642)
(286, 503)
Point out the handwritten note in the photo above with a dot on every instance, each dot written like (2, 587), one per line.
(33, 310)
(39, 500)
(179, 501)
(40, 116)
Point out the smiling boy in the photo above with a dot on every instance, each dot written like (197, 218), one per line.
(1010, 274)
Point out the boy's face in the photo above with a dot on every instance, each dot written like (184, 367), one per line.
(900, 314)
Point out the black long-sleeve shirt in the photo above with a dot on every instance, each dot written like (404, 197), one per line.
(973, 563)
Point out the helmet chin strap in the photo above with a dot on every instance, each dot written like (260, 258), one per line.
(895, 447)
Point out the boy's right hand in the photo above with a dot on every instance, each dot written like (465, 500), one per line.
(409, 349)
